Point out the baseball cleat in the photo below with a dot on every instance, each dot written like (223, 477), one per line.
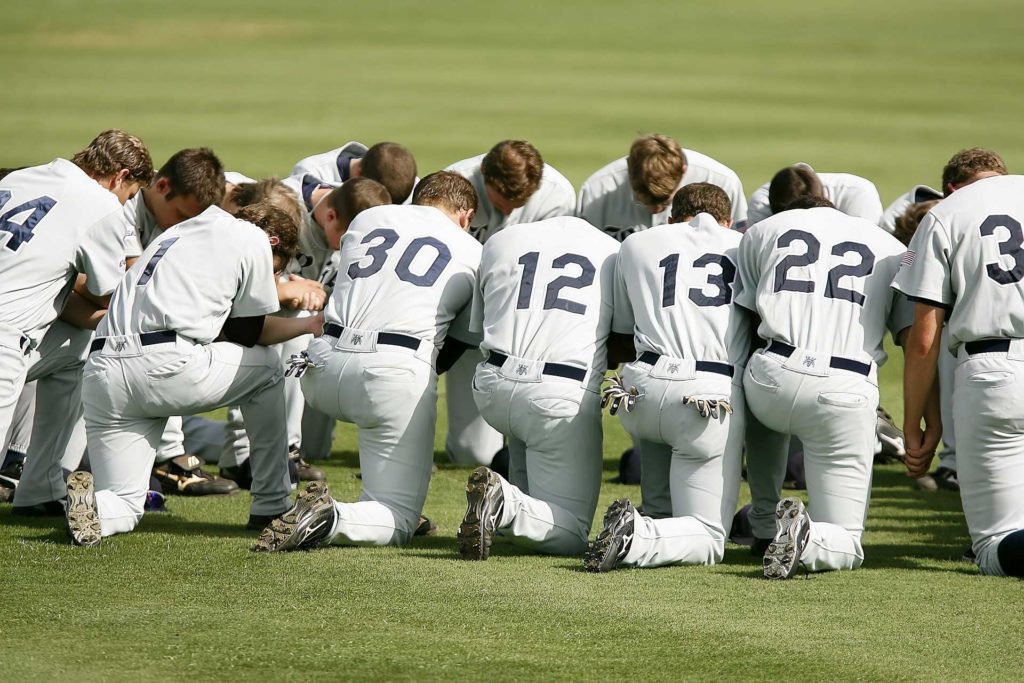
(184, 476)
(485, 502)
(890, 437)
(82, 516)
(426, 527)
(306, 525)
(611, 545)
(303, 470)
(793, 528)
(945, 478)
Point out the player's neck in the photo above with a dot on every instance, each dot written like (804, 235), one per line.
(320, 207)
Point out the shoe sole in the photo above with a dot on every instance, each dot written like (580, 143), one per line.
(82, 516)
(474, 538)
(782, 557)
(602, 555)
(281, 534)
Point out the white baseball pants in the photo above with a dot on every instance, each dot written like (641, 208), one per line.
(470, 440)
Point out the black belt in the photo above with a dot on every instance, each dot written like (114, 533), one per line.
(389, 338)
(553, 369)
(145, 339)
(651, 358)
(987, 346)
(837, 362)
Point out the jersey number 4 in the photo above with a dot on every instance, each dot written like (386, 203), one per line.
(833, 290)
(552, 295)
(20, 233)
(379, 254)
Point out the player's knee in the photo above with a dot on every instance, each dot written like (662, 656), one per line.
(463, 449)
(1010, 553)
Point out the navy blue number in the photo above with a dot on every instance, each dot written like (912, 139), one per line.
(443, 258)
(529, 263)
(147, 272)
(862, 269)
(723, 281)
(668, 288)
(1011, 247)
(584, 279)
(378, 252)
(782, 282)
(22, 232)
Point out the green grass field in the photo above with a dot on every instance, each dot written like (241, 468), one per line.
(883, 89)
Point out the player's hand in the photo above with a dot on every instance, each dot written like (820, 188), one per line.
(316, 324)
(300, 294)
(921, 446)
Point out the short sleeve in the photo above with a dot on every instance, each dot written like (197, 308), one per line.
(901, 315)
(866, 204)
(476, 319)
(623, 320)
(758, 208)
(101, 254)
(257, 287)
(924, 273)
(749, 269)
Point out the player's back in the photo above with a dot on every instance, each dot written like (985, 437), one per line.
(331, 165)
(820, 280)
(554, 197)
(314, 251)
(49, 230)
(405, 269)
(674, 292)
(546, 292)
(980, 226)
(853, 195)
(193, 277)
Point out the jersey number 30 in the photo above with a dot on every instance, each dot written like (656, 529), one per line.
(378, 254)
(20, 233)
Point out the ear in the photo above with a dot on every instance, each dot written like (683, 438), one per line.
(950, 188)
(672, 220)
(162, 185)
(466, 218)
(274, 240)
(118, 179)
(728, 223)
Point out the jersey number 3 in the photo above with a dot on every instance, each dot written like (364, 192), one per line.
(20, 233)
(1011, 247)
(833, 290)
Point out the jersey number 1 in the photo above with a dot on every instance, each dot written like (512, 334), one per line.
(22, 232)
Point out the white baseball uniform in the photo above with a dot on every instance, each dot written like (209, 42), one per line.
(335, 165)
(968, 257)
(674, 290)
(819, 280)
(471, 440)
(309, 261)
(155, 356)
(405, 283)
(606, 198)
(851, 194)
(544, 306)
(51, 229)
(917, 194)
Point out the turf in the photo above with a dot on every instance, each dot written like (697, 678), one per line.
(884, 89)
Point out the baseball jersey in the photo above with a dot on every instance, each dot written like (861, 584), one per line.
(51, 229)
(820, 280)
(918, 193)
(406, 269)
(314, 251)
(138, 223)
(851, 194)
(545, 292)
(555, 197)
(195, 276)
(333, 165)
(607, 202)
(968, 255)
(236, 178)
(674, 291)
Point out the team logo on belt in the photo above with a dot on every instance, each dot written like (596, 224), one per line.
(120, 345)
(521, 370)
(809, 361)
(673, 368)
(357, 339)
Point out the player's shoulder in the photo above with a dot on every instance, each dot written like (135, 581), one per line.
(986, 196)
(305, 183)
(236, 178)
(554, 179)
(609, 177)
(847, 181)
(708, 164)
(467, 167)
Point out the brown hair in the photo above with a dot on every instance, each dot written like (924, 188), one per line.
(276, 223)
(114, 150)
(393, 166)
(445, 190)
(355, 196)
(513, 169)
(967, 163)
(269, 190)
(907, 222)
(808, 201)
(701, 198)
(196, 172)
(790, 183)
(656, 166)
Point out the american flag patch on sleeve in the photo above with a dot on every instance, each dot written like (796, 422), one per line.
(908, 258)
